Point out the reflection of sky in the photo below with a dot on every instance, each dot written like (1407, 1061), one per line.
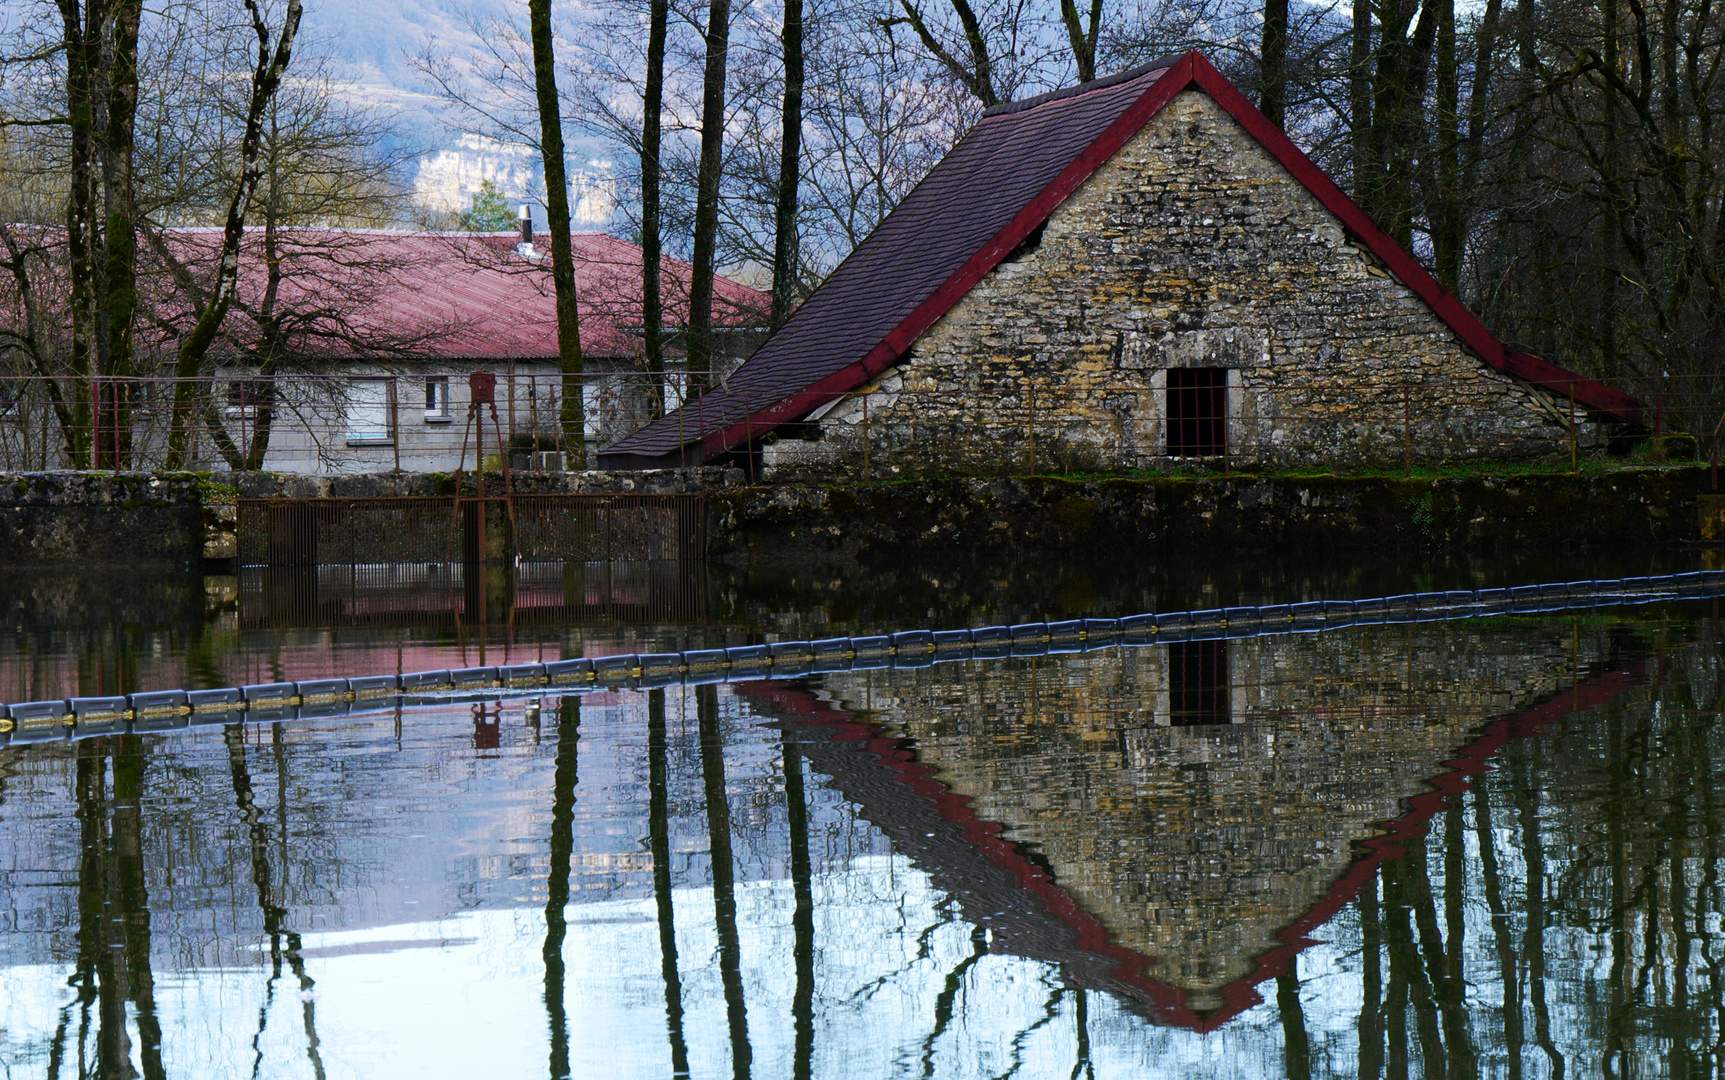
(464, 997)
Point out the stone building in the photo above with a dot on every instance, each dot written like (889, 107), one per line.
(1132, 273)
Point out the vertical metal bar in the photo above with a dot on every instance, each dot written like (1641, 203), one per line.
(395, 420)
(1227, 456)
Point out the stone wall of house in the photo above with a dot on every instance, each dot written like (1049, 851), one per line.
(1197, 845)
(1191, 248)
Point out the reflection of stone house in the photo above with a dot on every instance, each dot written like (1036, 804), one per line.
(1132, 272)
(1083, 818)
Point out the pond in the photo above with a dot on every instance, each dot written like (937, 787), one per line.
(1489, 846)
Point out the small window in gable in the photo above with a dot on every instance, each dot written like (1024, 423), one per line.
(1197, 412)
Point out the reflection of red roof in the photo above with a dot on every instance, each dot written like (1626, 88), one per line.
(979, 203)
(459, 296)
(1087, 947)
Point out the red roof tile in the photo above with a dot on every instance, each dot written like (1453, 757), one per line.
(462, 296)
(999, 184)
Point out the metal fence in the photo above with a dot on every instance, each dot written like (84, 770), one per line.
(1011, 423)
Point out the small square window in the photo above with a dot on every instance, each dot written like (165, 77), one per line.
(436, 399)
(1197, 411)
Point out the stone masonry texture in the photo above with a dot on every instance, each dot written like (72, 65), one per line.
(1191, 247)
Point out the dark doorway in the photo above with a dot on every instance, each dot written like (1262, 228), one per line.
(1198, 683)
(1197, 411)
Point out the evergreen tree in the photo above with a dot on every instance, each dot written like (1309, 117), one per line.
(489, 211)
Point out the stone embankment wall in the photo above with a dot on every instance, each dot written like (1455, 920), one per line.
(1602, 513)
(101, 519)
(1191, 248)
(126, 519)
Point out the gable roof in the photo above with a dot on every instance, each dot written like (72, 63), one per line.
(997, 186)
(456, 296)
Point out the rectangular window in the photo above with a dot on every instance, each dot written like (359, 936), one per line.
(1197, 412)
(245, 393)
(367, 413)
(1198, 691)
(436, 398)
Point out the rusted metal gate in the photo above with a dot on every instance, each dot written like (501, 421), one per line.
(452, 529)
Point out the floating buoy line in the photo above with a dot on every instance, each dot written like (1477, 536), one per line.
(162, 711)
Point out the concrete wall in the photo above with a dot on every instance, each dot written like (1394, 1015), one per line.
(1192, 247)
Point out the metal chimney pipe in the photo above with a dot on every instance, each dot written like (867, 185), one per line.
(526, 224)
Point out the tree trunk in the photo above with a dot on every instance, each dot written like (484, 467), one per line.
(1448, 236)
(82, 56)
(1273, 62)
(700, 337)
(1083, 38)
(1360, 102)
(120, 236)
(790, 166)
(652, 301)
(189, 364)
(557, 211)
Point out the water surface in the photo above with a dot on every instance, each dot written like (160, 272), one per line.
(1479, 848)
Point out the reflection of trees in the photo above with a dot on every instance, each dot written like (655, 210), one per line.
(659, 840)
(284, 942)
(1594, 852)
(113, 965)
(565, 776)
(724, 877)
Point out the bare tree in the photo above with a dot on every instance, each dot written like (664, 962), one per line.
(557, 210)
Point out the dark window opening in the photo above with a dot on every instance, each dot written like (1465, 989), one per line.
(1198, 691)
(245, 393)
(1197, 412)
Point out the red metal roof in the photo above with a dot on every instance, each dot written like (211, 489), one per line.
(462, 296)
(983, 199)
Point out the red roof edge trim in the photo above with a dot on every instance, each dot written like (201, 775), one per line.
(1175, 77)
(1191, 69)
(1542, 373)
